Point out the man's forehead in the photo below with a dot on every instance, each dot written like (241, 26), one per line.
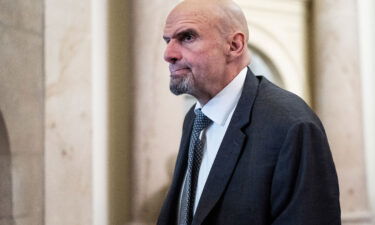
(189, 17)
(186, 21)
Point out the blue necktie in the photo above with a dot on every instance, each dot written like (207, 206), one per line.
(201, 122)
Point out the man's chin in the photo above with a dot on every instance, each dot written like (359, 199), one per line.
(179, 86)
(176, 90)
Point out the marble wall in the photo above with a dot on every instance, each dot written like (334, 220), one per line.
(21, 112)
(366, 13)
(88, 112)
(6, 200)
(68, 124)
(338, 100)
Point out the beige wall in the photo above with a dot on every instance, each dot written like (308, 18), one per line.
(338, 100)
(366, 13)
(22, 109)
(120, 110)
(68, 114)
(88, 106)
(6, 201)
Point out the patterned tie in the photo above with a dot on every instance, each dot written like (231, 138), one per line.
(194, 161)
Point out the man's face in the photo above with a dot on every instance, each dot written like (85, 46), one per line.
(195, 52)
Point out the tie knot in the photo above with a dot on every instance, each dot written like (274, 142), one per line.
(201, 121)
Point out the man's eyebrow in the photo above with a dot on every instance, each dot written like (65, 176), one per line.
(180, 34)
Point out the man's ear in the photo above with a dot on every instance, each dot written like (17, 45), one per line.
(237, 45)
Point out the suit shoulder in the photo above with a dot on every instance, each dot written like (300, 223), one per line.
(282, 107)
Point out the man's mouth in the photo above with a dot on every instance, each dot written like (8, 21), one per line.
(178, 71)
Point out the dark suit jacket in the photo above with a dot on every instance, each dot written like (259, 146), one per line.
(274, 165)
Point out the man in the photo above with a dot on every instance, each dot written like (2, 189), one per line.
(250, 153)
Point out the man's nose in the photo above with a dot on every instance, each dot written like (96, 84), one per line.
(172, 52)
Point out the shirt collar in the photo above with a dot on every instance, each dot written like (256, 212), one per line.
(219, 107)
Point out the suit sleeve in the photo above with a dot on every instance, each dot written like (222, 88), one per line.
(304, 185)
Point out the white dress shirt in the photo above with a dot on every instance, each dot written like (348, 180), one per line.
(220, 110)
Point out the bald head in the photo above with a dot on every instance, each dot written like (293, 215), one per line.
(225, 15)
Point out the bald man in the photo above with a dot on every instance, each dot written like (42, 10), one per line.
(250, 152)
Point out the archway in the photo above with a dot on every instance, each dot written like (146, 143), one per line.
(263, 65)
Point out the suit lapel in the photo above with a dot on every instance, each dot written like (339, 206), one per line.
(229, 151)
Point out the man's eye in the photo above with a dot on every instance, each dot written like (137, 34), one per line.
(188, 37)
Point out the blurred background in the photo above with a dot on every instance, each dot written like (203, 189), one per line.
(89, 131)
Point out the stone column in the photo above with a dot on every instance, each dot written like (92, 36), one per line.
(88, 112)
(366, 15)
(337, 99)
(21, 112)
(68, 113)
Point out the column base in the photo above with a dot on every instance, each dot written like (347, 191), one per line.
(357, 218)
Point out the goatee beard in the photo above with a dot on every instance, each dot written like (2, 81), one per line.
(180, 86)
